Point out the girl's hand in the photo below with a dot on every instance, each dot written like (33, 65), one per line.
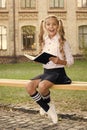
(57, 60)
(54, 59)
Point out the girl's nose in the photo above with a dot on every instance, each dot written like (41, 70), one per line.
(51, 26)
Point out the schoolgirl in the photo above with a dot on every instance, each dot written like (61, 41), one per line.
(52, 40)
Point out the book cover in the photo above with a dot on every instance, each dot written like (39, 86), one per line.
(42, 58)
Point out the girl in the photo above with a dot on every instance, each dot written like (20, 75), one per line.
(54, 72)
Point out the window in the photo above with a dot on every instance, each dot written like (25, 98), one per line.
(83, 37)
(56, 3)
(3, 38)
(2, 3)
(28, 37)
(28, 4)
(82, 3)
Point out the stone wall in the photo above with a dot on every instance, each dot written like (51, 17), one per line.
(15, 18)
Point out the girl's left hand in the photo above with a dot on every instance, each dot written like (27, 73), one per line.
(54, 59)
(57, 60)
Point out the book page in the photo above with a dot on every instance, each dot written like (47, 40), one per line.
(29, 56)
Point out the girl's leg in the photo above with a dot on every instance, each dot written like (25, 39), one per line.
(44, 90)
(31, 86)
(45, 96)
(31, 89)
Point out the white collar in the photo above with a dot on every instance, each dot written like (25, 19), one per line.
(56, 37)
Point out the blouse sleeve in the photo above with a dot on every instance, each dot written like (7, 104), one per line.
(68, 54)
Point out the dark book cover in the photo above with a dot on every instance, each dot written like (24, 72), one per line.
(41, 58)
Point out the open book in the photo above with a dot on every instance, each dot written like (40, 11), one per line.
(42, 58)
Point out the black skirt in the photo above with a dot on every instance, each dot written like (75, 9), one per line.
(56, 76)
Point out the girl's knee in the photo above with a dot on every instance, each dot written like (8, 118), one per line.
(42, 88)
(30, 87)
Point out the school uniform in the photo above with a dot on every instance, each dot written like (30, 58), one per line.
(55, 73)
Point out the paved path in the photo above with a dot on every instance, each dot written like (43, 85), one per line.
(19, 118)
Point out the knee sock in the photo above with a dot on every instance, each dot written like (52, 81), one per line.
(38, 98)
(47, 98)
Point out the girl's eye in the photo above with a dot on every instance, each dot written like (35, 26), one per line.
(54, 24)
(48, 24)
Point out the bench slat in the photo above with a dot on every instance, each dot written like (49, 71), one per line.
(75, 85)
(71, 87)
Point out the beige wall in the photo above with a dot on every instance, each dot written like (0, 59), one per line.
(72, 19)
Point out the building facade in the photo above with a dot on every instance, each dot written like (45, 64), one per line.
(20, 21)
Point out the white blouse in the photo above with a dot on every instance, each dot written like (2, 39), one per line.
(52, 46)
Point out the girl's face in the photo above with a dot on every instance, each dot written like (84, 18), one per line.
(51, 25)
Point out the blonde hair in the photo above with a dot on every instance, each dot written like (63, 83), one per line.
(60, 31)
(41, 40)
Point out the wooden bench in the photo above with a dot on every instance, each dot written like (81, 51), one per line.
(75, 85)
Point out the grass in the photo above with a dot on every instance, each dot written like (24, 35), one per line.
(19, 71)
(70, 100)
(76, 72)
(64, 99)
